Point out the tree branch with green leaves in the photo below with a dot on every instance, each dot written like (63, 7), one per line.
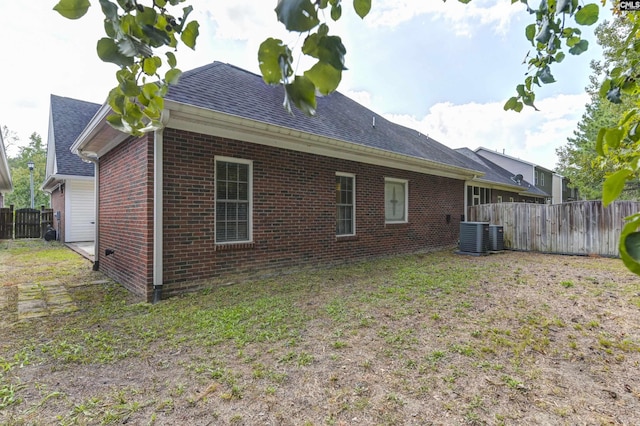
(620, 144)
(141, 41)
(550, 35)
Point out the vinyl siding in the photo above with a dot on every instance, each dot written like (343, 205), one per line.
(79, 211)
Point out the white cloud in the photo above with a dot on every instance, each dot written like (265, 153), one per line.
(530, 135)
(360, 96)
(461, 17)
(242, 20)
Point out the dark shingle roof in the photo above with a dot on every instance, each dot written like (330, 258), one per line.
(228, 89)
(497, 174)
(69, 118)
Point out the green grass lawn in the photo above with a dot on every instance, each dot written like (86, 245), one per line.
(437, 338)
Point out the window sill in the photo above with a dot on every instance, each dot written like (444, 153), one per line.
(340, 238)
(396, 224)
(234, 246)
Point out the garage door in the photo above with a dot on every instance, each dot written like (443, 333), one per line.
(79, 211)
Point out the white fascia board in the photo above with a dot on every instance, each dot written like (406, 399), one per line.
(51, 167)
(490, 151)
(91, 129)
(6, 185)
(49, 185)
(98, 137)
(199, 120)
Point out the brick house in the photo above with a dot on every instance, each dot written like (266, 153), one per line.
(232, 184)
(68, 179)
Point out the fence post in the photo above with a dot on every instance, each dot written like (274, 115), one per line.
(6, 223)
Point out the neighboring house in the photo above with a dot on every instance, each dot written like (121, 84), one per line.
(498, 185)
(562, 192)
(69, 179)
(233, 184)
(541, 177)
(6, 185)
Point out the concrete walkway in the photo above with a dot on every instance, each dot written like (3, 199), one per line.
(85, 249)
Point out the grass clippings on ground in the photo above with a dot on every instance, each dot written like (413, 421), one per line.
(513, 338)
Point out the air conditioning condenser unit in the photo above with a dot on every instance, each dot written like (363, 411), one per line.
(474, 237)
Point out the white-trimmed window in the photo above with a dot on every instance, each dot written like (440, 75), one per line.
(233, 200)
(396, 200)
(511, 199)
(499, 198)
(479, 195)
(345, 204)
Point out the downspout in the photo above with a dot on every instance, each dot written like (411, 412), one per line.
(96, 197)
(464, 197)
(158, 185)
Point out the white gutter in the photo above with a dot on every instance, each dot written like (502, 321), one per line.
(53, 181)
(158, 218)
(464, 197)
(5, 172)
(199, 120)
(91, 129)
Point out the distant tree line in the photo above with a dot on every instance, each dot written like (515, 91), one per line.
(20, 197)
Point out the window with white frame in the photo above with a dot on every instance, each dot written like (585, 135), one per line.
(345, 204)
(511, 199)
(499, 198)
(478, 195)
(536, 175)
(233, 200)
(396, 200)
(541, 178)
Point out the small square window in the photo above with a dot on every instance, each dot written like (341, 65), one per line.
(396, 200)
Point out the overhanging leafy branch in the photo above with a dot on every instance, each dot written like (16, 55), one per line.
(134, 35)
(621, 144)
(547, 35)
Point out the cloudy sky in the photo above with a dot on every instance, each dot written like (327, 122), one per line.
(445, 69)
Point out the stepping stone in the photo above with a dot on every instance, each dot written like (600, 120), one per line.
(42, 299)
(32, 308)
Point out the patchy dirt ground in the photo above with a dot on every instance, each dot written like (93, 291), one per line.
(438, 338)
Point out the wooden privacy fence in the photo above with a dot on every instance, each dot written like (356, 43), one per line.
(24, 223)
(580, 227)
(6, 223)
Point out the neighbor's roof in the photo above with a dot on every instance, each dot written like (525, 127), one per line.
(5, 173)
(69, 117)
(519, 160)
(496, 174)
(231, 90)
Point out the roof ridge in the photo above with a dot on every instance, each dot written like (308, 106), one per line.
(72, 99)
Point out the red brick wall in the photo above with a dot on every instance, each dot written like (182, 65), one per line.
(57, 204)
(126, 215)
(294, 211)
